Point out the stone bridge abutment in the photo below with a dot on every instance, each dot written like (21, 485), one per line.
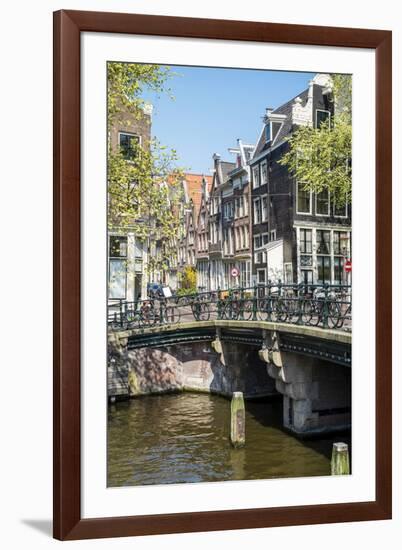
(316, 391)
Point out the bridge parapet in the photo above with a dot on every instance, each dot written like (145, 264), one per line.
(328, 344)
(326, 307)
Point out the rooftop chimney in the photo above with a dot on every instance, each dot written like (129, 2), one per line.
(268, 111)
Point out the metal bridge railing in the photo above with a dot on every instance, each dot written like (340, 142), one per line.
(325, 306)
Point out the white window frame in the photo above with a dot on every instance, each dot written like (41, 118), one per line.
(241, 207)
(264, 163)
(339, 216)
(237, 238)
(297, 201)
(285, 265)
(259, 236)
(255, 201)
(272, 232)
(260, 270)
(263, 256)
(255, 169)
(329, 206)
(228, 210)
(264, 218)
(322, 111)
(131, 134)
(113, 260)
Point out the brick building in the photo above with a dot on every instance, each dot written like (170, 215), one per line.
(127, 255)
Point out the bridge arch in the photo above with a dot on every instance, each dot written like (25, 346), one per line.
(308, 366)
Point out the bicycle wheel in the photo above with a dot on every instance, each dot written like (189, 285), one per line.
(334, 315)
(281, 311)
(316, 310)
(263, 305)
(346, 318)
(307, 312)
(148, 316)
(247, 310)
(183, 301)
(234, 310)
(292, 309)
(195, 310)
(132, 318)
(172, 314)
(225, 310)
(203, 312)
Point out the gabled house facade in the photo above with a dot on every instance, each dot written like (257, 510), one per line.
(298, 236)
(194, 188)
(240, 185)
(215, 227)
(202, 254)
(227, 221)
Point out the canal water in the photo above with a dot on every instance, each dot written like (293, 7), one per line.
(184, 437)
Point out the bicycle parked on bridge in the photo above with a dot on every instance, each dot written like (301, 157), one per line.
(200, 308)
(279, 305)
(144, 314)
(132, 315)
(326, 306)
(236, 306)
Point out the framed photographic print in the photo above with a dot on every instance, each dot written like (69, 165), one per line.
(209, 372)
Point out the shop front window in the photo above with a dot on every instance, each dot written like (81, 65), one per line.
(323, 242)
(338, 270)
(117, 267)
(324, 269)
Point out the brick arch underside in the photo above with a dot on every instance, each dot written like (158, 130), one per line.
(194, 367)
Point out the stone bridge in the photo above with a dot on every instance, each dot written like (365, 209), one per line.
(310, 367)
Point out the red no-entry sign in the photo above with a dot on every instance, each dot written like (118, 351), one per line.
(348, 266)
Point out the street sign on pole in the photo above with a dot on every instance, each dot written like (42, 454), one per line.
(348, 266)
(235, 272)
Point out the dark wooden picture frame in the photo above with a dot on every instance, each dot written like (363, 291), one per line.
(68, 25)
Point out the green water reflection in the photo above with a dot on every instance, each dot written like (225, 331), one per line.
(179, 438)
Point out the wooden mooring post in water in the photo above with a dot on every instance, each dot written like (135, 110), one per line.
(237, 420)
(340, 460)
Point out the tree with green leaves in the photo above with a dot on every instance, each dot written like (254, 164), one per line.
(321, 158)
(127, 82)
(144, 190)
(189, 281)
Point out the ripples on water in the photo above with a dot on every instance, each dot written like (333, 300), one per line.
(179, 438)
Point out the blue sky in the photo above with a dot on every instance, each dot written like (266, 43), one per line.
(213, 107)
